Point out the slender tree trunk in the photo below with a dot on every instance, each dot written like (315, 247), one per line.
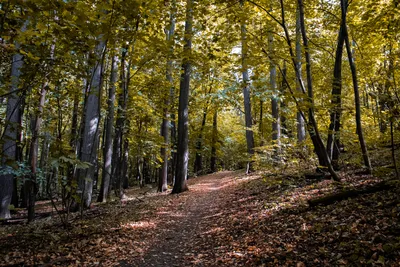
(393, 149)
(261, 125)
(246, 95)
(284, 126)
(213, 160)
(198, 163)
(109, 132)
(117, 163)
(88, 150)
(183, 111)
(367, 162)
(333, 142)
(301, 130)
(33, 158)
(276, 119)
(163, 176)
(312, 124)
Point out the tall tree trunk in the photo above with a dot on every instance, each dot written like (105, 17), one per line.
(109, 132)
(88, 150)
(213, 160)
(246, 94)
(183, 111)
(33, 157)
(260, 124)
(198, 163)
(11, 135)
(276, 120)
(163, 176)
(117, 163)
(301, 130)
(333, 142)
(312, 124)
(284, 126)
(367, 162)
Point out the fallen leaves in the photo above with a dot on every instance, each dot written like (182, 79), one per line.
(221, 221)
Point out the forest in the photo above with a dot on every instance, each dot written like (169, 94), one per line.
(199, 133)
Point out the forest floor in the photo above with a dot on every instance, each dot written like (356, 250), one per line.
(225, 219)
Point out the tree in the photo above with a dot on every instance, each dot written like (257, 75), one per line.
(367, 162)
(170, 33)
(183, 111)
(246, 92)
(12, 133)
(90, 137)
(109, 132)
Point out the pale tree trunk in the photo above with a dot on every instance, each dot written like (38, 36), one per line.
(333, 142)
(163, 176)
(109, 131)
(88, 149)
(246, 95)
(213, 160)
(11, 135)
(276, 120)
(180, 184)
(367, 162)
(301, 130)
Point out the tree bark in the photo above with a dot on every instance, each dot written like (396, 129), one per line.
(312, 124)
(246, 95)
(276, 119)
(170, 33)
(183, 111)
(213, 160)
(333, 142)
(88, 149)
(284, 127)
(12, 134)
(301, 130)
(367, 162)
(33, 157)
(118, 150)
(109, 132)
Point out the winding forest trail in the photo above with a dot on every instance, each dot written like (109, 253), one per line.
(176, 238)
(225, 219)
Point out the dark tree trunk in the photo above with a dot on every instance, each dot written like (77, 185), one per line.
(11, 135)
(333, 142)
(246, 95)
(198, 163)
(183, 111)
(109, 125)
(284, 126)
(367, 162)
(312, 124)
(118, 157)
(214, 142)
(260, 124)
(33, 157)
